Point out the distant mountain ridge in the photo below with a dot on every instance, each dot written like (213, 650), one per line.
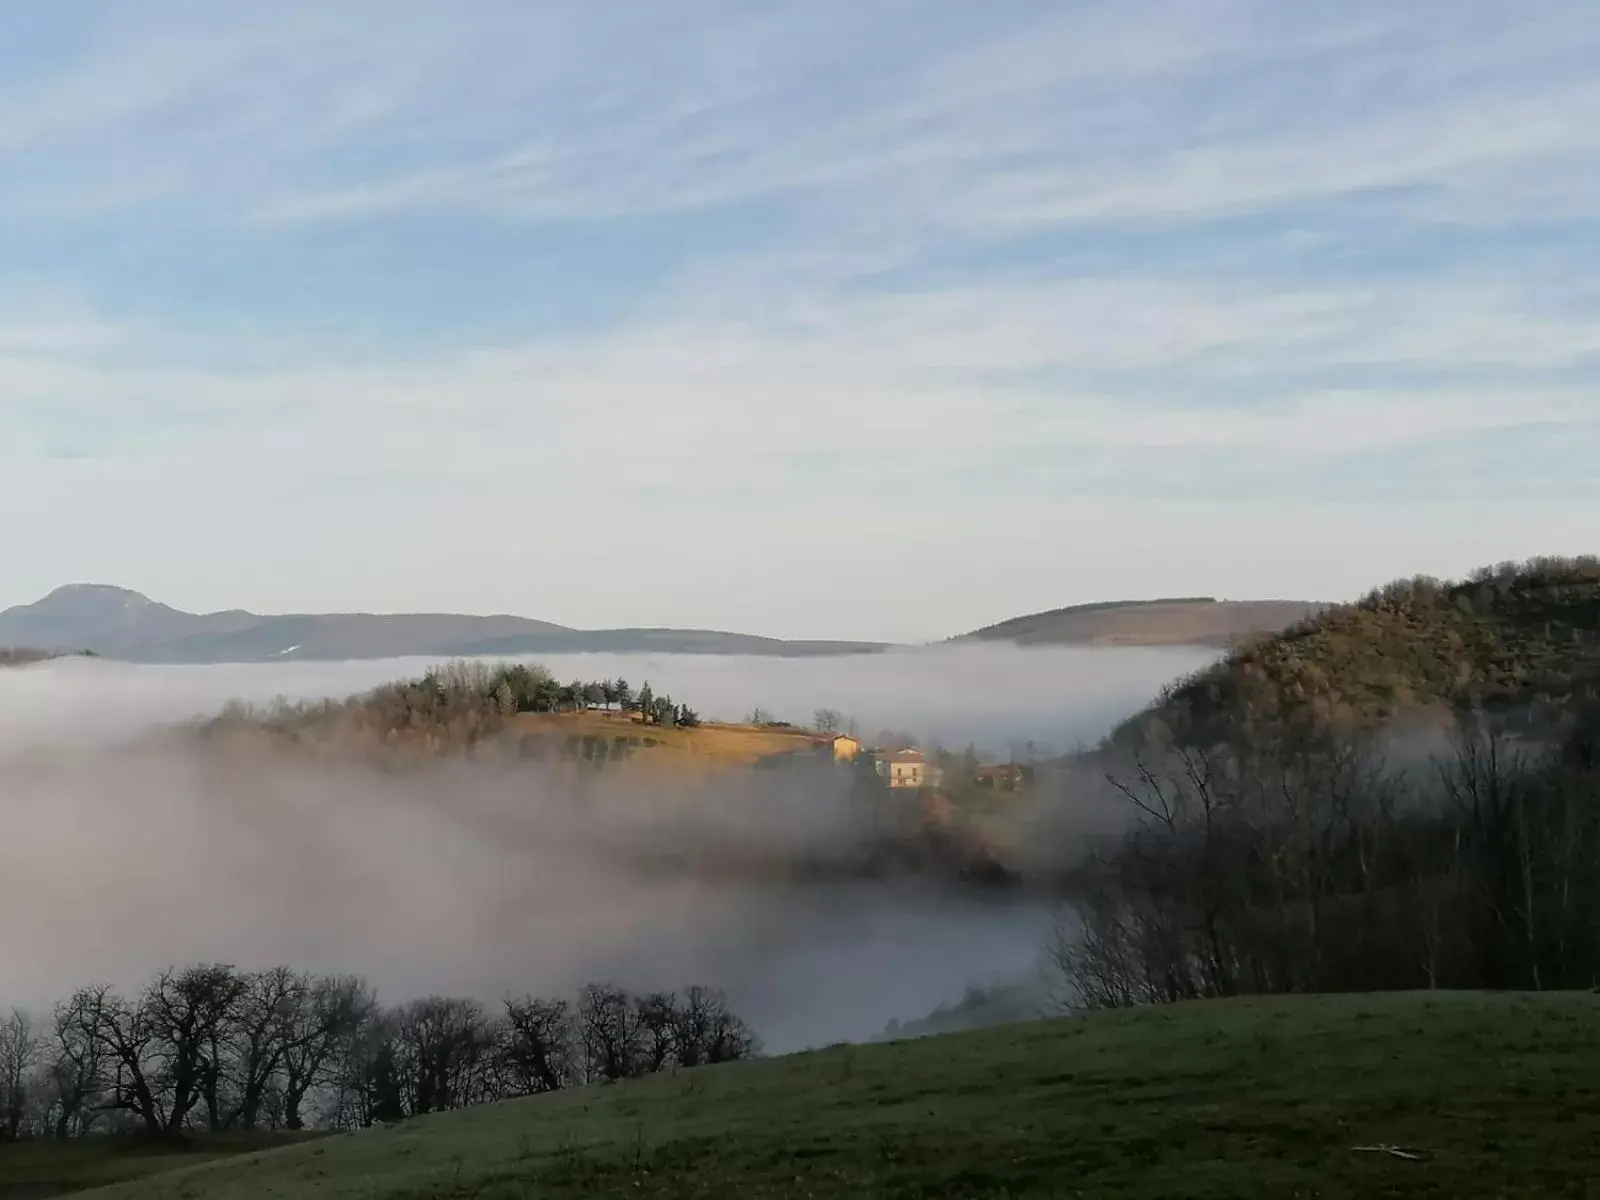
(117, 623)
(1177, 621)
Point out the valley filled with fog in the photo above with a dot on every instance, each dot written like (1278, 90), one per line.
(124, 852)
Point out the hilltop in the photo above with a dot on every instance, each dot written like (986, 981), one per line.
(1188, 621)
(1523, 636)
(26, 656)
(122, 624)
(1459, 1095)
(519, 710)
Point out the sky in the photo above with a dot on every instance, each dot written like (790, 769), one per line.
(874, 319)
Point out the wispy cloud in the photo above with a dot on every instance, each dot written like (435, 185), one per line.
(952, 378)
(418, 285)
(1145, 111)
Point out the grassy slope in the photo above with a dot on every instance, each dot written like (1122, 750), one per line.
(1178, 622)
(668, 749)
(1259, 1097)
(707, 745)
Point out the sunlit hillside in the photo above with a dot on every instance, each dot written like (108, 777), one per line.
(623, 736)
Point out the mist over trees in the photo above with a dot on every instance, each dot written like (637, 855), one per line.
(1325, 865)
(211, 1049)
(1290, 830)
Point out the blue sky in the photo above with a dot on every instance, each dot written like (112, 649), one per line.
(875, 318)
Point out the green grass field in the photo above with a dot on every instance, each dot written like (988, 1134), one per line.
(1484, 1095)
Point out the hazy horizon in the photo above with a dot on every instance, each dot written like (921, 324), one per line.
(391, 610)
(1024, 693)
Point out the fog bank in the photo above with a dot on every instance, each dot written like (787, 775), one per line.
(121, 853)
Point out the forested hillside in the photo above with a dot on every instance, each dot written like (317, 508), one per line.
(1403, 793)
(1517, 636)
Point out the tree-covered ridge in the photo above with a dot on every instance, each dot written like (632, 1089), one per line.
(449, 707)
(1404, 793)
(26, 656)
(1515, 635)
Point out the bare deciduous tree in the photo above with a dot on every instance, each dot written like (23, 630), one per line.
(609, 1032)
(1282, 857)
(538, 1051)
(187, 1012)
(656, 1013)
(328, 1020)
(443, 1044)
(211, 1047)
(74, 1070)
(159, 1047)
(20, 1049)
(245, 1052)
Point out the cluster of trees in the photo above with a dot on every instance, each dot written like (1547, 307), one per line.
(661, 710)
(528, 687)
(452, 706)
(1320, 860)
(831, 721)
(210, 1048)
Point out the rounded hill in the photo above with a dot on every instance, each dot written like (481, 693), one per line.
(1515, 638)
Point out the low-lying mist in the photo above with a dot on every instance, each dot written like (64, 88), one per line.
(124, 849)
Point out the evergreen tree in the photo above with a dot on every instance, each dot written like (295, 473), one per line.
(383, 1085)
(546, 695)
(664, 710)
